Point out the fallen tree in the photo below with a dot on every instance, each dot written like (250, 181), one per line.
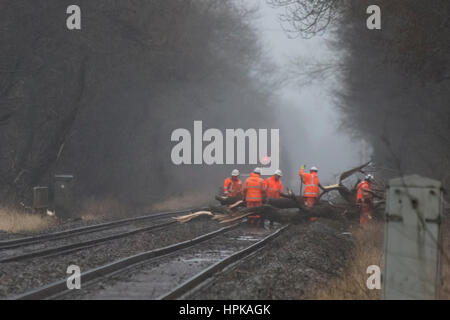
(234, 209)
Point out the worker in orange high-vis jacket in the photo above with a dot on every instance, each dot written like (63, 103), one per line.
(232, 187)
(255, 189)
(364, 199)
(274, 186)
(312, 186)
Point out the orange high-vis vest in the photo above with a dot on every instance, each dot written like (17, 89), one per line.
(254, 188)
(274, 188)
(362, 194)
(232, 188)
(311, 181)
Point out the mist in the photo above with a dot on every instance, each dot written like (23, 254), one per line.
(102, 102)
(306, 113)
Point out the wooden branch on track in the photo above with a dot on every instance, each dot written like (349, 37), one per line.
(219, 215)
(189, 217)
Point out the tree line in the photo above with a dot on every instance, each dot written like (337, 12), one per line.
(101, 102)
(393, 84)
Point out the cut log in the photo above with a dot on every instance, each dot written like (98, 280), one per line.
(239, 217)
(227, 200)
(219, 209)
(245, 212)
(348, 195)
(236, 204)
(189, 217)
(283, 203)
(351, 172)
(220, 217)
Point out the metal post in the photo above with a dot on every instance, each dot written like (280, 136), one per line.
(40, 199)
(412, 238)
(63, 194)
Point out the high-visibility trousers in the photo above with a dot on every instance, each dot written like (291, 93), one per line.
(253, 204)
(310, 201)
(365, 213)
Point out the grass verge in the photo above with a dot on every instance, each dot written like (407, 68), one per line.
(351, 285)
(13, 221)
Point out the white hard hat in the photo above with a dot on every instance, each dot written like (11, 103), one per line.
(235, 173)
(369, 177)
(279, 173)
(257, 170)
(314, 169)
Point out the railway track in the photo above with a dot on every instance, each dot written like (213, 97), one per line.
(201, 277)
(172, 253)
(58, 288)
(65, 249)
(15, 243)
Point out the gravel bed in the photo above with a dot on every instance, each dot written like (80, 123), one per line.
(56, 227)
(19, 277)
(152, 279)
(304, 257)
(79, 238)
(62, 225)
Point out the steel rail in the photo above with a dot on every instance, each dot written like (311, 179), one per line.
(207, 273)
(81, 245)
(59, 288)
(15, 243)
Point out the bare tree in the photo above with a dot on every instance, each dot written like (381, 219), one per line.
(103, 102)
(307, 18)
(394, 84)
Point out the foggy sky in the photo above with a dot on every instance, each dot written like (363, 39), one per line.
(307, 114)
